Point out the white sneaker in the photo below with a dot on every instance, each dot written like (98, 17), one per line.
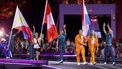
(7, 57)
(90, 63)
(78, 63)
(105, 63)
(84, 63)
(113, 63)
(61, 61)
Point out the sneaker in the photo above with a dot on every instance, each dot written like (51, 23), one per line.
(94, 63)
(84, 63)
(105, 63)
(90, 63)
(114, 63)
(7, 57)
(78, 63)
(61, 61)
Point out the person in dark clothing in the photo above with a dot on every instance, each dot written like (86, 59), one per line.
(61, 42)
(108, 48)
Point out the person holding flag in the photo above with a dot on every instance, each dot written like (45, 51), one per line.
(80, 49)
(13, 42)
(52, 32)
(21, 24)
(80, 38)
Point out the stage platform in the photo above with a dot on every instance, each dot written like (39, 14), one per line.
(43, 64)
(23, 64)
(73, 65)
(67, 57)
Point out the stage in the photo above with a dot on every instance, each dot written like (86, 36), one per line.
(22, 64)
(51, 61)
(42, 64)
(73, 65)
(67, 57)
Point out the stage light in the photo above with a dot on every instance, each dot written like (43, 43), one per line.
(1, 33)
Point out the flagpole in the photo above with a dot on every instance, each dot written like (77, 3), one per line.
(83, 17)
(11, 34)
(10, 40)
(82, 12)
(43, 18)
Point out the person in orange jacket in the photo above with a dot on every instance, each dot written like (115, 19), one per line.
(93, 44)
(80, 49)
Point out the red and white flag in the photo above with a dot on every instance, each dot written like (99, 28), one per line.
(21, 24)
(48, 19)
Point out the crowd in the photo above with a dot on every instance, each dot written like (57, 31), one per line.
(88, 1)
(22, 44)
(8, 6)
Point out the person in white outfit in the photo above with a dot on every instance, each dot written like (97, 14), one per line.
(36, 45)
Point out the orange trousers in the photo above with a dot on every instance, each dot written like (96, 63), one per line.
(80, 51)
(92, 53)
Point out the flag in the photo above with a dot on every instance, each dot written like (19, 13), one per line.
(48, 19)
(21, 24)
(85, 20)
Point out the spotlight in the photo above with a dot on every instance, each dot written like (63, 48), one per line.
(1, 33)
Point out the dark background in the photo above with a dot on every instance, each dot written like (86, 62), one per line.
(73, 23)
(33, 12)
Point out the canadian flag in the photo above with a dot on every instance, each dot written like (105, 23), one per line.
(48, 19)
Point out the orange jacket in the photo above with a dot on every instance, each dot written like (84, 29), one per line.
(79, 40)
(89, 39)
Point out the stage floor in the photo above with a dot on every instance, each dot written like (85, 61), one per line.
(56, 57)
(22, 64)
(61, 66)
(43, 64)
(23, 61)
(73, 65)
